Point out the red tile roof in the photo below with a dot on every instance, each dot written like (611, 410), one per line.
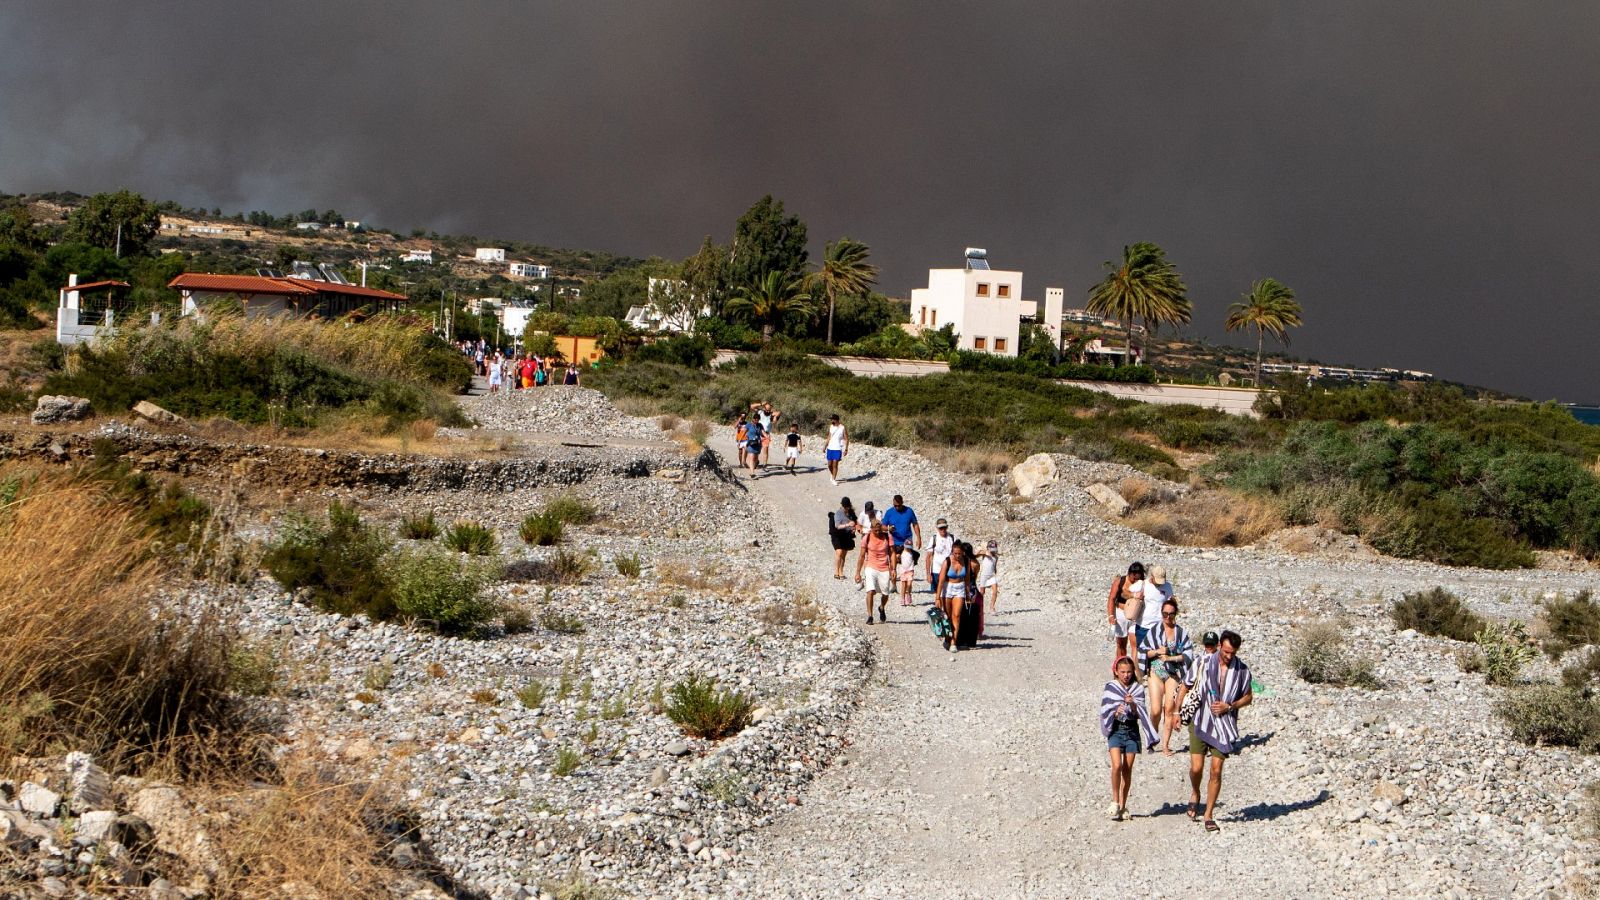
(287, 287)
(93, 285)
(240, 284)
(352, 290)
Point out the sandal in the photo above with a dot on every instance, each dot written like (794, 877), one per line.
(1211, 825)
(1194, 810)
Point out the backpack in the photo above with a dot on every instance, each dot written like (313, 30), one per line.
(831, 528)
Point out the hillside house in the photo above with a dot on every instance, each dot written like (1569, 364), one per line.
(529, 270)
(984, 305)
(417, 256)
(82, 310)
(490, 254)
(259, 295)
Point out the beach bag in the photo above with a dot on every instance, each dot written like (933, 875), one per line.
(938, 622)
(1191, 706)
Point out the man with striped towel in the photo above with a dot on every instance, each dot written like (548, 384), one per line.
(1224, 681)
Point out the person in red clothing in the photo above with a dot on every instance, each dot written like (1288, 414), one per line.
(874, 562)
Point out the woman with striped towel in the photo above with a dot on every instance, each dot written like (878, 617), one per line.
(1125, 723)
(1224, 681)
(1167, 653)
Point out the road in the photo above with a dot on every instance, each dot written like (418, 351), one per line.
(985, 775)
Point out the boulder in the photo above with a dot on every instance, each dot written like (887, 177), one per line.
(1034, 473)
(88, 785)
(94, 826)
(54, 408)
(38, 800)
(20, 833)
(1107, 496)
(178, 829)
(150, 412)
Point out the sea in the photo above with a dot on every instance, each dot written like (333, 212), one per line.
(1588, 415)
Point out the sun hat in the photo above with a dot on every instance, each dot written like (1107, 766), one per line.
(1157, 575)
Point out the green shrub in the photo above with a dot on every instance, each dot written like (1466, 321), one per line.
(560, 622)
(1320, 655)
(1551, 714)
(252, 669)
(338, 564)
(470, 537)
(541, 530)
(533, 694)
(570, 510)
(515, 619)
(567, 762)
(436, 589)
(1572, 622)
(419, 528)
(629, 566)
(701, 710)
(1437, 612)
(1506, 650)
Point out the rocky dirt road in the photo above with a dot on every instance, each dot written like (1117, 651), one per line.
(985, 775)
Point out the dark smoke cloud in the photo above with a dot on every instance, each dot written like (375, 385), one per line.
(1423, 174)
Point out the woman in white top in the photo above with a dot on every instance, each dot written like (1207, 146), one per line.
(838, 446)
(494, 374)
(989, 574)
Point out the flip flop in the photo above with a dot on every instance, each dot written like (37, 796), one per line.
(1194, 810)
(1212, 826)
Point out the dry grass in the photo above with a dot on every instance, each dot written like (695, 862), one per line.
(987, 461)
(1143, 492)
(697, 575)
(1208, 519)
(311, 836)
(87, 661)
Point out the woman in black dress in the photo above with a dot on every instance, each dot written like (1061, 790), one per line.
(842, 531)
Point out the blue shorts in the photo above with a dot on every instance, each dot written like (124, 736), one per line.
(1123, 742)
(835, 455)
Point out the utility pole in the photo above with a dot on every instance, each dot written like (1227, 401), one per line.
(119, 240)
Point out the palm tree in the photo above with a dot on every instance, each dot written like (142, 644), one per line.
(774, 299)
(1270, 306)
(1143, 286)
(844, 270)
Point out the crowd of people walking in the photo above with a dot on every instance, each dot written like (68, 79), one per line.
(515, 370)
(1160, 681)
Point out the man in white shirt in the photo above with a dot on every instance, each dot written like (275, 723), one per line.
(939, 545)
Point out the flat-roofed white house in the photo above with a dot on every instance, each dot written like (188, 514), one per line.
(984, 305)
(529, 270)
(422, 256)
(490, 254)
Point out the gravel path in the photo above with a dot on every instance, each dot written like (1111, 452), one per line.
(985, 775)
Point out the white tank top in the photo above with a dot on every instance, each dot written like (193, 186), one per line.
(835, 437)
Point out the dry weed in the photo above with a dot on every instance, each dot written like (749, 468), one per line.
(320, 834)
(696, 575)
(88, 662)
(1143, 492)
(1208, 519)
(982, 460)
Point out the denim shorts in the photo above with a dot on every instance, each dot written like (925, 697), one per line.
(1123, 742)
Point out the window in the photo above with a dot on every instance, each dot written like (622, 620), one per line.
(1005, 290)
(999, 345)
(983, 289)
(980, 343)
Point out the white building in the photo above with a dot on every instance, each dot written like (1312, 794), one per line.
(530, 270)
(984, 305)
(422, 256)
(514, 320)
(83, 310)
(490, 254)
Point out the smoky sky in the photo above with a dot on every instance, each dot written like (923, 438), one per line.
(1423, 174)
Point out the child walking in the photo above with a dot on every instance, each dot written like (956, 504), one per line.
(908, 571)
